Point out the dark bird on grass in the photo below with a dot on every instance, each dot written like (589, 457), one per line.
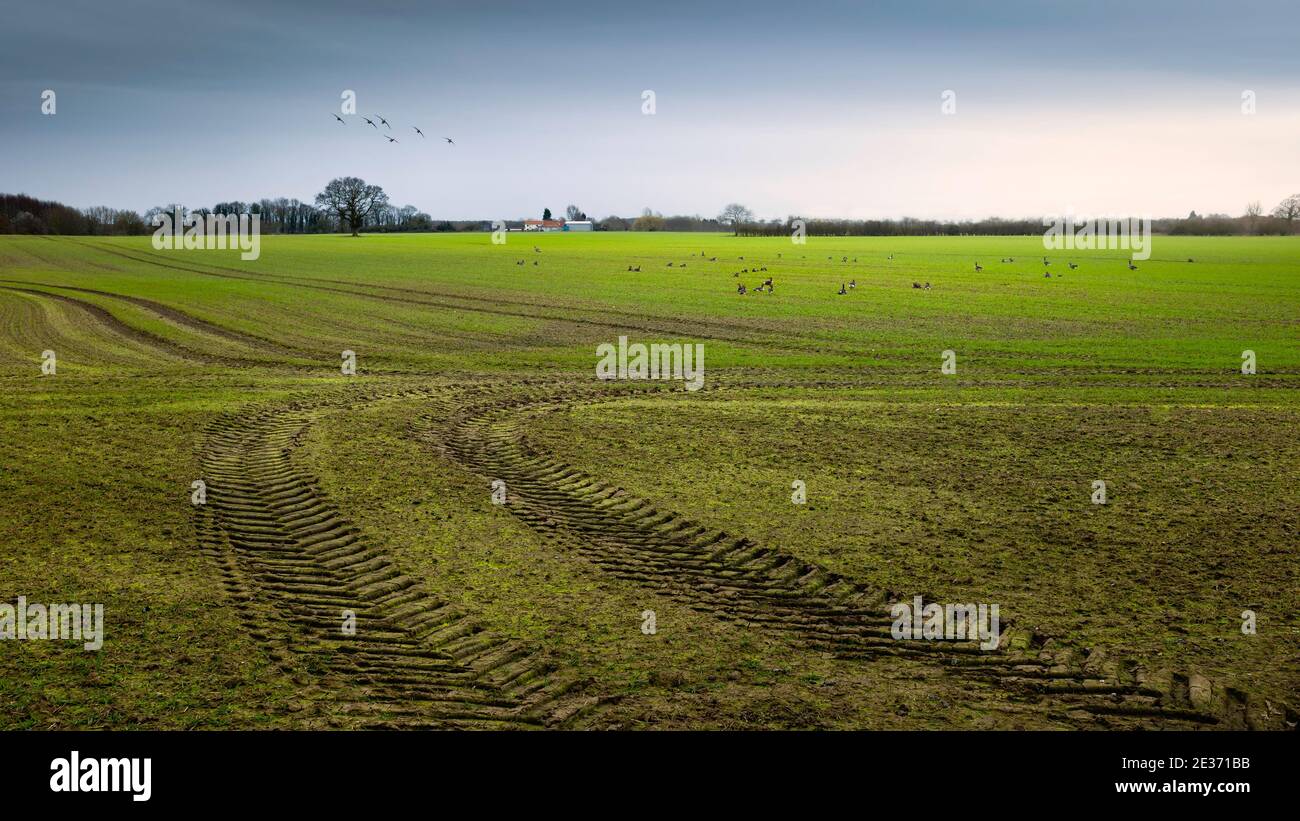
(853, 283)
(842, 291)
(534, 262)
(670, 265)
(1189, 259)
(1047, 274)
(916, 285)
(891, 256)
(536, 249)
(372, 123)
(713, 259)
(742, 259)
(520, 262)
(1072, 265)
(740, 289)
(385, 122)
(1131, 266)
(1011, 259)
(927, 286)
(337, 117)
(450, 140)
(637, 269)
(979, 267)
(418, 131)
(736, 274)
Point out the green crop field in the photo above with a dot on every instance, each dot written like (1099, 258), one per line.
(474, 530)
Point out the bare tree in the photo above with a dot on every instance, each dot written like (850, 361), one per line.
(1288, 209)
(574, 213)
(352, 200)
(735, 215)
(1253, 212)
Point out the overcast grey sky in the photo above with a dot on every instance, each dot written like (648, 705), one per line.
(810, 108)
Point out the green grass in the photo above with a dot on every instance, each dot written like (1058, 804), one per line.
(968, 486)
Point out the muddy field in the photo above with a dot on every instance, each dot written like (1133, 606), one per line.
(474, 531)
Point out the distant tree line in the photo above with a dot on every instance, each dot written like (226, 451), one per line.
(348, 200)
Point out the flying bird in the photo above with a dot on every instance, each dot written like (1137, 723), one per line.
(418, 131)
(450, 140)
(386, 137)
(385, 122)
(372, 123)
(337, 117)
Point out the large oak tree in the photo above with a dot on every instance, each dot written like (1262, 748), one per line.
(352, 200)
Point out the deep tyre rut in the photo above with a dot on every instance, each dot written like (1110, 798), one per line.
(294, 565)
(734, 578)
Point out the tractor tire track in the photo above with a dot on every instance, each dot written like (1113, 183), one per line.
(735, 579)
(294, 564)
(105, 319)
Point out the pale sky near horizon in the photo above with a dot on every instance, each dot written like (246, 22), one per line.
(815, 109)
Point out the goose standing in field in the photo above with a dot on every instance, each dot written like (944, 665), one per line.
(740, 289)
(927, 286)
(1131, 266)
(978, 267)
(1072, 265)
(1047, 274)
(891, 256)
(853, 283)
(916, 285)
(842, 290)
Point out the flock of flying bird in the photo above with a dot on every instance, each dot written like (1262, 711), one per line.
(371, 122)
